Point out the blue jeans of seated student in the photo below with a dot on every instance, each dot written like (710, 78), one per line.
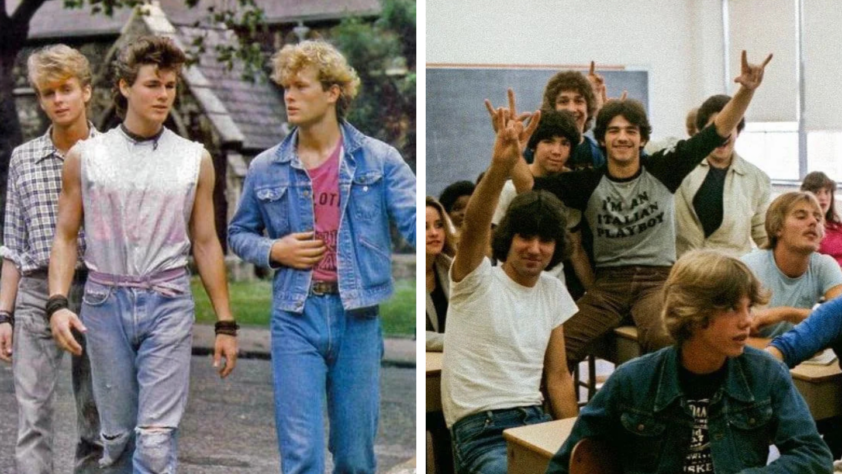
(35, 365)
(326, 350)
(140, 346)
(478, 444)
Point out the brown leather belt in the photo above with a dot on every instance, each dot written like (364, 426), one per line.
(319, 288)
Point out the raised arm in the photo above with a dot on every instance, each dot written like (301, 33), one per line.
(520, 174)
(64, 251)
(821, 330)
(476, 227)
(210, 262)
(751, 75)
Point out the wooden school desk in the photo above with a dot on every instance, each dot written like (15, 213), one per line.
(530, 448)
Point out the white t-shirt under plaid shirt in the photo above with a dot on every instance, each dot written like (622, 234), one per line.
(32, 204)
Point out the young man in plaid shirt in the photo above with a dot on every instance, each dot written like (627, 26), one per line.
(61, 78)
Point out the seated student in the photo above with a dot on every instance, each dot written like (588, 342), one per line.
(455, 198)
(552, 145)
(628, 206)
(708, 403)
(722, 203)
(825, 188)
(440, 251)
(504, 323)
(789, 266)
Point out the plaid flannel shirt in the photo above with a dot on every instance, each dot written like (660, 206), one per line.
(32, 204)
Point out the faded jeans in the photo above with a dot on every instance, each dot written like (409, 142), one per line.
(478, 443)
(327, 350)
(140, 345)
(630, 295)
(35, 365)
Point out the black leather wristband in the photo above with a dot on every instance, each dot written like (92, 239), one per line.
(229, 328)
(55, 303)
(7, 317)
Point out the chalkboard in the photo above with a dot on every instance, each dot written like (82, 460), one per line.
(459, 135)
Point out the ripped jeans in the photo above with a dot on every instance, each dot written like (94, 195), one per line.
(140, 338)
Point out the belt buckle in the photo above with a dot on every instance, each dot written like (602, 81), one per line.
(318, 289)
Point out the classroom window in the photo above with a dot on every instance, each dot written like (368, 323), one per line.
(773, 147)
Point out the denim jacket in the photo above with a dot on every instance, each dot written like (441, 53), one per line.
(642, 413)
(375, 184)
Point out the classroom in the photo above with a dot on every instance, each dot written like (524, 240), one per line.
(633, 250)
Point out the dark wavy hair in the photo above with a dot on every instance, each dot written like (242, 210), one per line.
(632, 110)
(556, 123)
(713, 105)
(159, 51)
(817, 180)
(535, 213)
(570, 81)
(453, 192)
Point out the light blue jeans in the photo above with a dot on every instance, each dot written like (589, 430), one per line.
(36, 367)
(326, 350)
(140, 343)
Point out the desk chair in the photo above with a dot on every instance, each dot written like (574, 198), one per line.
(593, 456)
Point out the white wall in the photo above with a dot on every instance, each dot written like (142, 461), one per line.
(678, 42)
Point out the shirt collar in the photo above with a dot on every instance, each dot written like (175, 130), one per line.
(669, 389)
(44, 147)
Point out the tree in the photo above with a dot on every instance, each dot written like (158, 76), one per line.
(383, 53)
(242, 16)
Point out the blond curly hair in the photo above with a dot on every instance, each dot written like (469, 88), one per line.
(333, 69)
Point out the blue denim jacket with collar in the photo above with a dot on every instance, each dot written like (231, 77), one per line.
(641, 412)
(375, 185)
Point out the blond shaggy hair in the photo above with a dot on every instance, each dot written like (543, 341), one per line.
(57, 63)
(333, 69)
(780, 208)
(701, 283)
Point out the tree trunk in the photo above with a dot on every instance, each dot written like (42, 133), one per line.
(13, 32)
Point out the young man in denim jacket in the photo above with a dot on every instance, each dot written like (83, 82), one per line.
(709, 403)
(324, 197)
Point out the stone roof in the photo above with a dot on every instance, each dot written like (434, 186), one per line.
(255, 109)
(53, 21)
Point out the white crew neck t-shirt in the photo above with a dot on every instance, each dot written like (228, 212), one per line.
(497, 335)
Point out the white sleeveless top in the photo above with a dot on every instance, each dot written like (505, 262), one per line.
(138, 198)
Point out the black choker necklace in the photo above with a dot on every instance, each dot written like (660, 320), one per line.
(139, 139)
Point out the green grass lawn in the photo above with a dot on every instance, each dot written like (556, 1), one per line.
(250, 302)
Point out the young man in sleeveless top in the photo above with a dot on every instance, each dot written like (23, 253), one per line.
(324, 197)
(61, 78)
(145, 195)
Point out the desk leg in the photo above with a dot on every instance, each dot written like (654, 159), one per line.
(442, 446)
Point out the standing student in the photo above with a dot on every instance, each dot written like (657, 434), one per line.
(629, 207)
(722, 203)
(709, 403)
(325, 197)
(146, 197)
(61, 77)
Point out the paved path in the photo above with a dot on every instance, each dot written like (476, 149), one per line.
(229, 425)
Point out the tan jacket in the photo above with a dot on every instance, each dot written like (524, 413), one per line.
(744, 202)
(435, 338)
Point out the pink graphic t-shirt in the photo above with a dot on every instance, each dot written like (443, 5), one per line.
(325, 180)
